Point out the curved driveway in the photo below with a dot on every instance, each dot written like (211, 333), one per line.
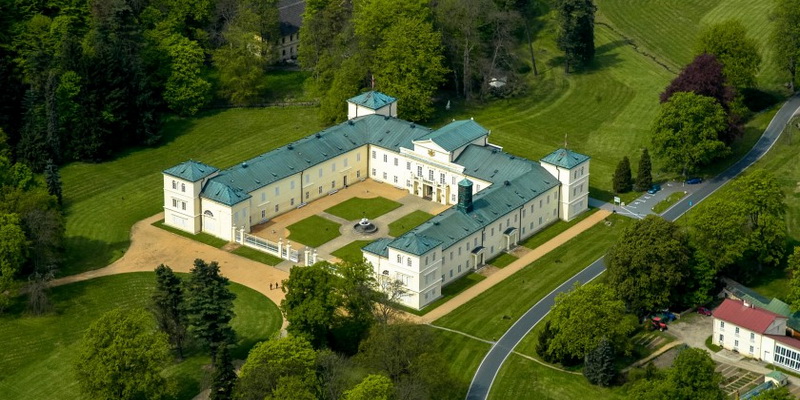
(489, 367)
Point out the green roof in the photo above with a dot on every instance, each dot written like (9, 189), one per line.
(191, 171)
(414, 243)
(222, 193)
(565, 158)
(379, 247)
(777, 375)
(465, 182)
(373, 99)
(457, 134)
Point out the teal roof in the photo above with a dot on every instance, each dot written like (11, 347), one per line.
(457, 134)
(191, 171)
(415, 243)
(222, 193)
(516, 181)
(465, 182)
(565, 158)
(379, 247)
(373, 99)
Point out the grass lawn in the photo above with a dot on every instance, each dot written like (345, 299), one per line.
(352, 252)
(711, 346)
(408, 222)
(357, 208)
(313, 231)
(554, 230)
(38, 351)
(520, 378)
(448, 292)
(256, 255)
(102, 201)
(201, 237)
(487, 315)
(503, 260)
(462, 355)
(663, 205)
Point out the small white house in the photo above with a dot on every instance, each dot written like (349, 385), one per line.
(754, 332)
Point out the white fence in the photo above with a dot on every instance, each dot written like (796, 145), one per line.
(281, 249)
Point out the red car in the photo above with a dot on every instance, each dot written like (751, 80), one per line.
(703, 311)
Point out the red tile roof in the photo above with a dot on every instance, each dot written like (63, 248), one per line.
(787, 340)
(750, 318)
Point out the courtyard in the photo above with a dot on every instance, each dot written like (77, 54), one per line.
(313, 224)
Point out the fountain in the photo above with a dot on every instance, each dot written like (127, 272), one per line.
(365, 227)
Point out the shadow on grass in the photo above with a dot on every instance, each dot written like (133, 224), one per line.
(84, 254)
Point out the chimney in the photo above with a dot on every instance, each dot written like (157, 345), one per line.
(464, 195)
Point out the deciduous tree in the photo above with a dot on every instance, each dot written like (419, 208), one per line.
(785, 37)
(310, 303)
(169, 308)
(121, 356)
(793, 265)
(13, 253)
(686, 133)
(271, 360)
(781, 393)
(373, 387)
(737, 52)
(623, 179)
(209, 305)
(185, 90)
(693, 376)
(575, 31)
(586, 315)
(648, 264)
(644, 176)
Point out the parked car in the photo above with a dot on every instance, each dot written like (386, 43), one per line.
(703, 311)
(654, 189)
(694, 181)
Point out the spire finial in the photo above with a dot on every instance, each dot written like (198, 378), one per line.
(565, 140)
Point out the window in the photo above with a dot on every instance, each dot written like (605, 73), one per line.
(477, 188)
(358, 174)
(183, 187)
(419, 170)
(358, 156)
(307, 193)
(442, 277)
(277, 191)
(276, 208)
(396, 161)
(736, 331)
(385, 158)
(751, 349)
(501, 226)
(459, 268)
(319, 172)
(408, 165)
(451, 275)
(721, 324)
(333, 184)
(540, 220)
(373, 154)
(453, 198)
(454, 180)
(492, 231)
(540, 204)
(291, 184)
(183, 205)
(399, 259)
(374, 172)
(430, 174)
(555, 210)
(451, 255)
(581, 171)
(174, 184)
(175, 203)
(752, 336)
(345, 163)
(395, 179)
(308, 178)
(291, 201)
(333, 167)
(531, 208)
(735, 344)
(320, 190)
(263, 213)
(408, 261)
(441, 179)
(721, 338)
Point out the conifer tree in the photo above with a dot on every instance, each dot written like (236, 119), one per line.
(543, 342)
(644, 177)
(224, 378)
(53, 179)
(623, 180)
(576, 31)
(168, 307)
(599, 364)
(209, 305)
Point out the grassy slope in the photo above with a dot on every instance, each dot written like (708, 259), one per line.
(462, 355)
(37, 351)
(486, 316)
(104, 200)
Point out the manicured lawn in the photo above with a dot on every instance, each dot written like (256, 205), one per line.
(663, 205)
(495, 310)
(711, 346)
(520, 378)
(554, 230)
(503, 260)
(462, 356)
(448, 292)
(37, 351)
(102, 201)
(201, 237)
(256, 255)
(313, 231)
(408, 222)
(357, 208)
(352, 252)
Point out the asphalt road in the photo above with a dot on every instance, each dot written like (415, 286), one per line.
(487, 371)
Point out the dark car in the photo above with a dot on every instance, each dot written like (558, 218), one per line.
(694, 181)
(703, 311)
(654, 189)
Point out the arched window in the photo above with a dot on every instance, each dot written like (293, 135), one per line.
(209, 213)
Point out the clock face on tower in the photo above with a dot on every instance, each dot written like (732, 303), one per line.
(431, 153)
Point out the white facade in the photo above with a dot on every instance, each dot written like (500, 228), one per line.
(574, 188)
(182, 203)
